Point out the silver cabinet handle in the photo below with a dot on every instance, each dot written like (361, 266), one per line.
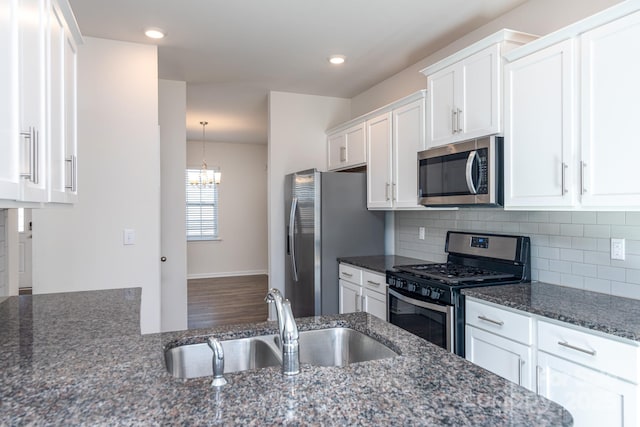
(343, 154)
(73, 173)
(495, 322)
(358, 299)
(582, 166)
(520, 363)
(344, 273)
(538, 379)
(373, 283)
(292, 239)
(362, 303)
(454, 127)
(32, 137)
(458, 120)
(394, 191)
(564, 174)
(470, 160)
(386, 191)
(573, 347)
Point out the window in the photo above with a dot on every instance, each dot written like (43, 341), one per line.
(202, 207)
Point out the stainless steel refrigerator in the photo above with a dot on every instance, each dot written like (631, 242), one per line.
(326, 217)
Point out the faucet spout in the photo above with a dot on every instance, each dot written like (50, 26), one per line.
(287, 331)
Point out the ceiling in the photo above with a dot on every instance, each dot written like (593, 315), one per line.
(232, 53)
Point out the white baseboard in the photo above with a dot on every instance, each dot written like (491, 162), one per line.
(226, 274)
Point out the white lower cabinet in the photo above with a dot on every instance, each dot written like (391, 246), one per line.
(594, 376)
(362, 290)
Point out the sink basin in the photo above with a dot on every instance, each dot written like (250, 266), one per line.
(321, 347)
(194, 360)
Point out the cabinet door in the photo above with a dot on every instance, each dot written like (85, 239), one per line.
(9, 133)
(336, 150)
(610, 93)
(499, 355)
(408, 139)
(32, 98)
(540, 123)
(356, 145)
(379, 181)
(593, 398)
(70, 118)
(478, 97)
(375, 303)
(350, 297)
(441, 107)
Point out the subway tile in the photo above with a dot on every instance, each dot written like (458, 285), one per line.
(535, 275)
(630, 261)
(560, 217)
(550, 228)
(597, 258)
(539, 240)
(626, 231)
(632, 246)
(585, 270)
(560, 266)
(632, 276)
(573, 230)
(583, 217)
(534, 251)
(468, 214)
(632, 218)
(611, 273)
(584, 243)
(604, 245)
(560, 241)
(572, 280)
(597, 231)
(571, 255)
(617, 218)
(538, 216)
(539, 263)
(528, 227)
(510, 227)
(627, 290)
(597, 285)
(549, 253)
(516, 216)
(549, 277)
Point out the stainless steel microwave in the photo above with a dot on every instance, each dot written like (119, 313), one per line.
(462, 174)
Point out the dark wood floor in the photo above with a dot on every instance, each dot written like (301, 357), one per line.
(226, 300)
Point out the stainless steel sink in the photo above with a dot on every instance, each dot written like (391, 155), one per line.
(194, 360)
(321, 347)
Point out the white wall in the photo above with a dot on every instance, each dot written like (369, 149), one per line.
(242, 214)
(297, 141)
(80, 247)
(535, 16)
(4, 273)
(172, 100)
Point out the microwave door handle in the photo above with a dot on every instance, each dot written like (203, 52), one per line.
(473, 155)
(292, 239)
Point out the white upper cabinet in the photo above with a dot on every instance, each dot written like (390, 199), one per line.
(570, 104)
(379, 170)
(609, 118)
(38, 87)
(540, 128)
(347, 147)
(464, 91)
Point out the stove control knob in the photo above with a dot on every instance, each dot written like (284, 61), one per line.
(411, 287)
(425, 292)
(435, 293)
(402, 283)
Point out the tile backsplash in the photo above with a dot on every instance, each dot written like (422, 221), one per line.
(568, 248)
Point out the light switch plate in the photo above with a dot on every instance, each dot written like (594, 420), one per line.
(129, 236)
(421, 233)
(617, 249)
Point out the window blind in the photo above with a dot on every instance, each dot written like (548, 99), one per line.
(202, 208)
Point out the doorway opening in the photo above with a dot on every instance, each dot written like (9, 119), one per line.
(25, 252)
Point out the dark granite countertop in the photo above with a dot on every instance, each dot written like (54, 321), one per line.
(600, 312)
(380, 263)
(78, 359)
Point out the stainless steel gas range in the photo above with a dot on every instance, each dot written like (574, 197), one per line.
(426, 300)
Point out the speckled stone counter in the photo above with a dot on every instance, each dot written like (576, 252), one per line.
(77, 359)
(605, 313)
(380, 263)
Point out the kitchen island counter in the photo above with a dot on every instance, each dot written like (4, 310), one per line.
(77, 358)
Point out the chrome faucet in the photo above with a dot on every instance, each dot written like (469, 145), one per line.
(287, 331)
(217, 362)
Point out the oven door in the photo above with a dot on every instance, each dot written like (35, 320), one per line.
(430, 321)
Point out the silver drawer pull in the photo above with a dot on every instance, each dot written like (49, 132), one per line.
(347, 274)
(373, 283)
(495, 322)
(573, 347)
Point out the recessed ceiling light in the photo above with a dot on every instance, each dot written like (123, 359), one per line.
(154, 33)
(337, 59)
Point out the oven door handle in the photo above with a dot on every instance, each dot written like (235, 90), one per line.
(473, 155)
(418, 303)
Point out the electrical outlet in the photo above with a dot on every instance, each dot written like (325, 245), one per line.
(129, 236)
(421, 233)
(617, 249)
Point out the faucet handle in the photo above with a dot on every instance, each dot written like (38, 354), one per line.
(274, 294)
(290, 331)
(217, 362)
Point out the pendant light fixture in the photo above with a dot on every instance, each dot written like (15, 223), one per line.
(205, 178)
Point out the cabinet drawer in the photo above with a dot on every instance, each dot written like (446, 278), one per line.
(501, 322)
(351, 274)
(596, 352)
(375, 282)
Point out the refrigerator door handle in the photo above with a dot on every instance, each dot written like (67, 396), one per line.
(292, 240)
